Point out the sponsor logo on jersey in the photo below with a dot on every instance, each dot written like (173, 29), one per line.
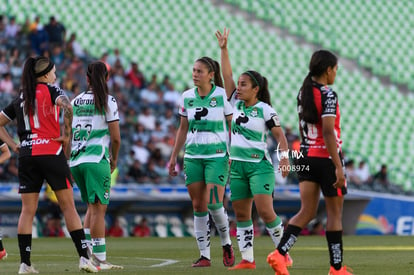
(37, 141)
(81, 101)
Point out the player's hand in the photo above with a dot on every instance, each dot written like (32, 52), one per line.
(222, 38)
(284, 167)
(171, 167)
(340, 178)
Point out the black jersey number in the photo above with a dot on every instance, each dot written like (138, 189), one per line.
(78, 129)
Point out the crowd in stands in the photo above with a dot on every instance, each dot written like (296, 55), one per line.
(148, 107)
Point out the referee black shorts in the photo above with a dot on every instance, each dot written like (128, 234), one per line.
(35, 170)
(321, 171)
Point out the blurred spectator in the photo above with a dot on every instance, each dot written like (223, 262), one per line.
(152, 173)
(53, 227)
(381, 177)
(141, 133)
(351, 177)
(141, 153)
(149, 96)
(54, 219)
(56, 32)
(73, 48)
(136, 173)
(290, 136)
(171, 96)
(39, 40)
(147, 119)
(362, 172)
(117, 57)
(11, 32)
(11, 170)
(116, 230)
(142, 229)
(158, 133)
(36, 25)
(6, 85)
(135, 76)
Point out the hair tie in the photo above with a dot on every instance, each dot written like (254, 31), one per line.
(254, 78)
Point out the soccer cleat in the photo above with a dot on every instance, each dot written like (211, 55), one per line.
(342, 271)
(27, 269)
(244, 264)
(3, 254)
(278, 262)
(104, 265)
(288, 260)
(202, 262)
(87, 265)
(228, 255)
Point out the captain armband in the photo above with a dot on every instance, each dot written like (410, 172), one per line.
(273, 122)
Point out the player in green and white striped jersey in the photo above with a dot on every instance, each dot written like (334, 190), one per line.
(205, 116)
(252, 176)
(95, 126)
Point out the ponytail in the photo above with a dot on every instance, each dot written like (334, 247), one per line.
(308, 113)
(34, 67)
(98, 74)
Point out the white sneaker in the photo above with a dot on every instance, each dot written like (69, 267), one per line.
(87, 265)
(27, 269)
(104, 265)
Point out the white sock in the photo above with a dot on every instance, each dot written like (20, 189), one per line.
(221, 221)
(275, 233)
(202, 234)
(245, 237)
(99, 248)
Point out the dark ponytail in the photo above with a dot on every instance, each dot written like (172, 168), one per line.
(98, 74)
(260, 81)
(213, 66)
(320, 62)
(34, 67)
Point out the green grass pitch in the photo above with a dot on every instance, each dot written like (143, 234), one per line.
(364, 254)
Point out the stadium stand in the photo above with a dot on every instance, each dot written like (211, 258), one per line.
(165, 37)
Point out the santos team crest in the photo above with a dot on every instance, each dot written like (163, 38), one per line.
(213, 102)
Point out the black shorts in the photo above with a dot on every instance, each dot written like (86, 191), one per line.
(321, 171)
(35, 170)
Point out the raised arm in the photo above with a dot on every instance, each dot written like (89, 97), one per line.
(229, 84)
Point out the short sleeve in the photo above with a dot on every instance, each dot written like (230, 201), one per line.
(55, 92)
(112, 113)
(228, 108)
(233, 98)
(329, 103)
(10, 111)
(182, 110)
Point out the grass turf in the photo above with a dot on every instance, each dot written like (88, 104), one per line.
(364, 254)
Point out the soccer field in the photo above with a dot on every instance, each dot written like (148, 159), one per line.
(364, 254)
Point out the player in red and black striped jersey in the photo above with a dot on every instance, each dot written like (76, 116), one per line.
(319, 164)
(42, 155)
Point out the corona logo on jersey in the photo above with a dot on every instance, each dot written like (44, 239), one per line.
(81, 101)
